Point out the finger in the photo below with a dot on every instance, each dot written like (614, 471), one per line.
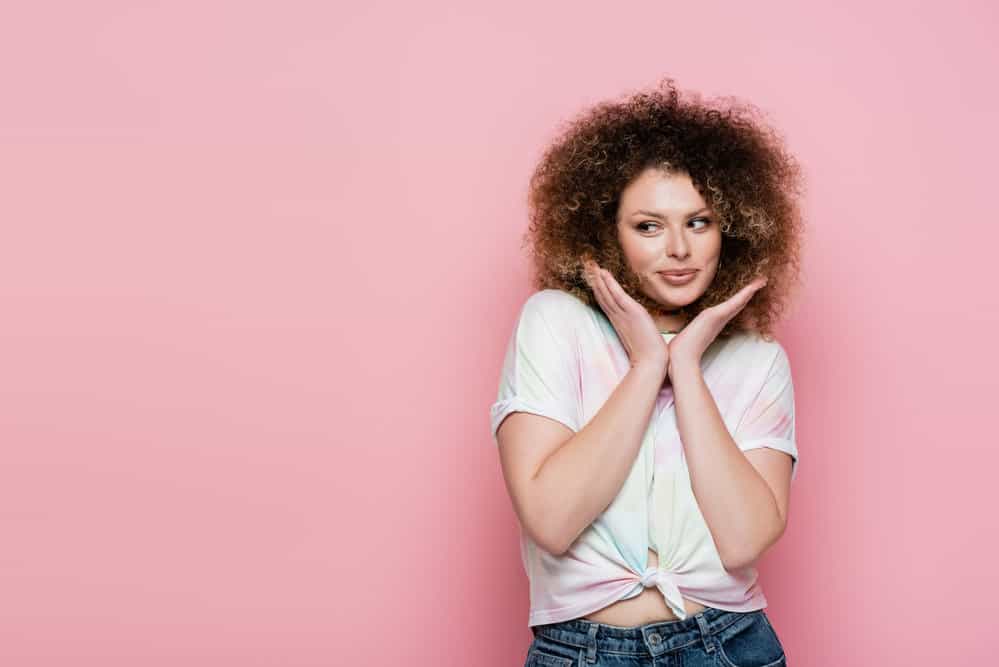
(615, 290)
(752, 288)
(620, 304)
(607, 302)
(749, 289)
(738, 301)
(596, 286)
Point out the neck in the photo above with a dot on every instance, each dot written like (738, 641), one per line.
(669, 323)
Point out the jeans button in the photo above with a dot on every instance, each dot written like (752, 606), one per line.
(655, 638)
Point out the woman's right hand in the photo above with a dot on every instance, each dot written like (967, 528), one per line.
(634, 325)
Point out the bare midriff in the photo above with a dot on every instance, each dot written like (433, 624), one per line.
(647, 607)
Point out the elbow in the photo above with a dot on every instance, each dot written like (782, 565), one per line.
(734, 563)
(547, 543)
(557, 550)
(547, 528)
(550, 540)
(550, 534)
(734, 560)
(741, 559)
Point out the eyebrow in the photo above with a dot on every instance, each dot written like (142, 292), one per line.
(660, 216)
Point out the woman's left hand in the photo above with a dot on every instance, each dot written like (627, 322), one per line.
(687, 347)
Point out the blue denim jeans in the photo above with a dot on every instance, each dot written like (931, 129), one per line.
(712, 638)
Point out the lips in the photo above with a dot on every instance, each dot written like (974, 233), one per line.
(678, 278)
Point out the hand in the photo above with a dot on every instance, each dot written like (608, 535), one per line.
(634, 325)
(687, 347)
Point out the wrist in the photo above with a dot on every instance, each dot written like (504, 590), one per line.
(680, 368)
(651, 367)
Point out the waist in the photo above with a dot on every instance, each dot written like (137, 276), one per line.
(648, 607)
(584, 582)
(651, 638)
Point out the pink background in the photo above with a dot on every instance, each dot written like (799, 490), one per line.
(260, 261)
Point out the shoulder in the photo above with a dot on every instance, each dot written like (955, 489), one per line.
(750, 348)
(557, 307)
(555, 298)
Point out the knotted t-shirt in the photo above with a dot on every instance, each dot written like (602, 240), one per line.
(563, 360)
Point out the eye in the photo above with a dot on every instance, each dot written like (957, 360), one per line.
(642, 225)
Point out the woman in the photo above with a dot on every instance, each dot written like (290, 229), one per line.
(645, 415)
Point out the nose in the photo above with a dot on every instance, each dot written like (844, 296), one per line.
(679, 247)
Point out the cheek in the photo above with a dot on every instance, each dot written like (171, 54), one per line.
(633, 253)
(642, 253)
(709, 250)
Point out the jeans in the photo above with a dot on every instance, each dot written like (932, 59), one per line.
(712, 638)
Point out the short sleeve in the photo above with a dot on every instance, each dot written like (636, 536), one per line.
(540, 372)
(769, 419)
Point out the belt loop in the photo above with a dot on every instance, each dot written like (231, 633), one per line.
(591, 642)
(702, 623)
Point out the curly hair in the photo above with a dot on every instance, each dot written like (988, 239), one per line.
(735, 160)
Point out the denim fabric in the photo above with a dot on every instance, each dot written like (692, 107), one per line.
(712, 638)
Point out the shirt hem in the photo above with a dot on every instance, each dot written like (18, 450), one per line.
(547, 616)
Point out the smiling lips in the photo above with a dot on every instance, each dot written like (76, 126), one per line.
(678, 277)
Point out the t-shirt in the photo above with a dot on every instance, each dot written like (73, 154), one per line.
(563, 361)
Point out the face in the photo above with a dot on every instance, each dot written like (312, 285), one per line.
(664, 224)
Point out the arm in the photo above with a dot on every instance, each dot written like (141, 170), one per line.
(738, 504)
(561, 473)
(577, 482)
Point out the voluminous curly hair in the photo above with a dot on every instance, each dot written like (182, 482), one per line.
(735, 160)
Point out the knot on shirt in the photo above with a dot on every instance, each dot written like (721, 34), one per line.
(650, 577)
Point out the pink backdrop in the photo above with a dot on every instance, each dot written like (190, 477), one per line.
(260, 260)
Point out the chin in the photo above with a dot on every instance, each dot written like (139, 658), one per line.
(678, 297)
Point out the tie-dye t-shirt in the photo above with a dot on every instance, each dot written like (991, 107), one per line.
(563, 361)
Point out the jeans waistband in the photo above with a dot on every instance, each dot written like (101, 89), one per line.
(650, 639)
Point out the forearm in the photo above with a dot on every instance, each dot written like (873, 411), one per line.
(577, 483)
(736, 502)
